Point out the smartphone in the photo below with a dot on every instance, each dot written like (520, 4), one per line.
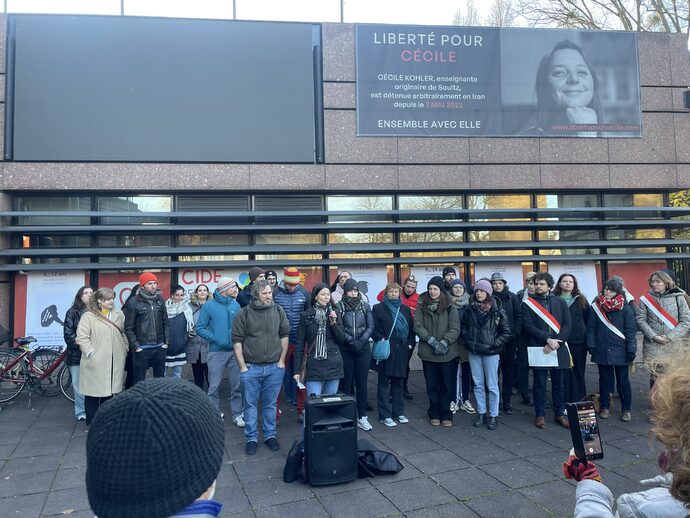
(584, 430)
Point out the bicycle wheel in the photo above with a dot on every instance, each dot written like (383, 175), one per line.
(12, 380)
(43, 359)
(65, 382)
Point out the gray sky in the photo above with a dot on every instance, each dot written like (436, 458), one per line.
(426, 12)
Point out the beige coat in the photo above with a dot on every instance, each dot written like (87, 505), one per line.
(102, 374)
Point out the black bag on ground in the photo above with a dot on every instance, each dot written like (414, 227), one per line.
(372, 462)
(294, 464)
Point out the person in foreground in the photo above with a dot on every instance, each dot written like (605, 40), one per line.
(670, 492)
(155, 451)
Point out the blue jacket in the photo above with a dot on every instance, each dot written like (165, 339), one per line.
(605, 347)
(294, 303)
(215, 322)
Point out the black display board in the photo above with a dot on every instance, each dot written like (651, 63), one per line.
(100, 88)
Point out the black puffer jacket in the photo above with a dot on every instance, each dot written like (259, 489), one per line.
(72, 319)
(319, 370)
(488, 337)
(358, 325)
(146, 321)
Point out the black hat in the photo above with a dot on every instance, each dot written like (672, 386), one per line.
(152, 450)
(436, 281)
(457, 281)
(449, 269)
(350, 284)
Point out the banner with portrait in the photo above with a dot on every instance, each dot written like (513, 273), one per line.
(485, 81)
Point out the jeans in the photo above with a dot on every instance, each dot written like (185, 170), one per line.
(392, 386)
(354, 382)
(485, 367)
(507, 370)
(539, 376)
(462, 382)
(260, 381)
(440, 387)
(154, 358)
(174, 372)
(218, 362)
(78, 396)
(608, 374)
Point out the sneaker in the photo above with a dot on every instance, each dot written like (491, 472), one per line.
(222, 415)
(81, 417)
(363, 423)
(402, 419)
(389, 422)
(625, 416)
(604, 413)
(454, 407)
(467, 407)
(250, 448)
(272, 444)
(239, 421)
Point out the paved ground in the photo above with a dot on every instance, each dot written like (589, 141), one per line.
(460, 471)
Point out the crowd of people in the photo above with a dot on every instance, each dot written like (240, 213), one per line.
(275, 337)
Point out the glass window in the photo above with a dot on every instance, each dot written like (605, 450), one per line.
(568, 235)
(425, 203)
(211, 258)
(632, 200)
(569, 251)
(440, 253)
(563, 201)
(349, 255)
(500, 252)
(53, 260)
(343, 203)
(287, 257)
(372, 238)
(496, 202)
(289, 239)
(53, 204)
(135, 259)
(500, 235)
(432, 237)
(135, 204)
(53, 241)
(636, 234)
(212, 239)
(134, 240)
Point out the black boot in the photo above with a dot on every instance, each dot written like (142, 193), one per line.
(493, 422)
(481, 420)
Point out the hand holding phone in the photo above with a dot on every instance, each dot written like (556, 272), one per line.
(584, 430)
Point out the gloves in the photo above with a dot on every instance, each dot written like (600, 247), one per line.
(629, 357)
(575, 469)
(432, 342)
(440, 348)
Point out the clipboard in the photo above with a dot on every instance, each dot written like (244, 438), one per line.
(559, 359)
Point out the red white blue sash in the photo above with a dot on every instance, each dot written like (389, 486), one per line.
(605, 320)
(544, 314)
(660, 312)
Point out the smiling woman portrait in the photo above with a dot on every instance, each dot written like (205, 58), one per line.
(567, 92)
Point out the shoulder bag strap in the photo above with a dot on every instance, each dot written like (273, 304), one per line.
(395, 318)
(100, 315)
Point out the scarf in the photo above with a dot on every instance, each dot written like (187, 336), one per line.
(402, 328)
(461, 301)
(320, 349)
(432, 306)
(569, 299)
(610, 305)
(351, 303)
(147, 296)
(175, 308)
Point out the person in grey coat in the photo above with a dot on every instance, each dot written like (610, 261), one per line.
(197, 347)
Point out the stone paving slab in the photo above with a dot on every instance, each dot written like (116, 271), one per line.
(460, 471)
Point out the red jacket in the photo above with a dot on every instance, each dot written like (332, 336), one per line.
(410, 302)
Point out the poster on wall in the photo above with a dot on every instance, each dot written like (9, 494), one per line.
(370, 280)
(48, 297)
(424, 273)
(190, 278)
(584, 271)
(478, 81)
(512, 272)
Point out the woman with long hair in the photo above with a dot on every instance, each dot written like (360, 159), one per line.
(72, 318)
(392, 318)
(437, 325)
(180, 325)
(461, 300)
(197, 347)
(103, 344)
(612, 342)
(670, 491)
(574, 379)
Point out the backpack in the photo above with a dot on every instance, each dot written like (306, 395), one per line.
(372, 462)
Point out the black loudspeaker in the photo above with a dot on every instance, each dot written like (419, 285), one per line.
(330, 439)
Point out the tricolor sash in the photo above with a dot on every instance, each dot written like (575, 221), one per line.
(605, 320)
(544, 314)
(660, 312)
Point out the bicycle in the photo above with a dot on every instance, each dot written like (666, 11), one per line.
(42, 370)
